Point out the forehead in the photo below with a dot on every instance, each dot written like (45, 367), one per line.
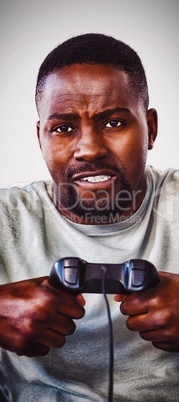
(85, 83)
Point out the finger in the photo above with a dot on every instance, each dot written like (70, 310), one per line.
(54, 336)
(119, 297)
(54, 340)
(139, 323)
(62, 325)
(167, 347)
(136, 303)
(41, 279)
(66, 303)
(69, 306)
(34, 350)
(54, 321)
(163, 335)
(81, 300)
(152, 336)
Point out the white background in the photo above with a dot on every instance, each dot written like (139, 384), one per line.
(29, 30)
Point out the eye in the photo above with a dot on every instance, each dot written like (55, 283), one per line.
(112, 124)
(63, 128)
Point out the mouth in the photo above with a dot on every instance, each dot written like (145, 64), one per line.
(94, 179)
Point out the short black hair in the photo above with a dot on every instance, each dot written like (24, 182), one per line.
(95, 48)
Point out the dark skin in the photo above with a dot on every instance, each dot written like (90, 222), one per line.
(35, 316)
(154, 313)
(91, 126)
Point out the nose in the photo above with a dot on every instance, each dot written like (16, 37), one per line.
(90, 146)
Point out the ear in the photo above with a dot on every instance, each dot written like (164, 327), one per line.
(38, 133)
(152, 123)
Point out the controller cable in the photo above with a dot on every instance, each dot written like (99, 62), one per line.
(111, 346)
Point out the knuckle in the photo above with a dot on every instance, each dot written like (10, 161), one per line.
(82, 312)
(123, 308)
(144, 336)
(129, 324)
(162, 318)
(70, 328)
(79, 313)
(61, 341)
(163, 346)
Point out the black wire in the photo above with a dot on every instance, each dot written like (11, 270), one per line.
(111, 346)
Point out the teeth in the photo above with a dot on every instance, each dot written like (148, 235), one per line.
(96, 179)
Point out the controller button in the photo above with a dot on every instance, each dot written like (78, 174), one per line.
(71, 276)
(138, 277)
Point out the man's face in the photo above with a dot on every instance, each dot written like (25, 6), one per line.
(94, 135)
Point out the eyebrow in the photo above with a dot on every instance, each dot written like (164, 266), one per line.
(108, 112)
(62, 116)
(74, 116)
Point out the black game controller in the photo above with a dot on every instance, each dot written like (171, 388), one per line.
(78, 276)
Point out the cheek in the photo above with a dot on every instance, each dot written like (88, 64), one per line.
(137, 162)
(129, 149)
(53, 152)
(131, 153)
(56, 156)
(138, 147)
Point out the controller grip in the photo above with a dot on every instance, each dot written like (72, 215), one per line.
(75, 275)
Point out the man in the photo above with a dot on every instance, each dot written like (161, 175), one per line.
(105, 206)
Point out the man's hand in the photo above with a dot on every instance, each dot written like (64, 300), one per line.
(154, 313)
(34, 316)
